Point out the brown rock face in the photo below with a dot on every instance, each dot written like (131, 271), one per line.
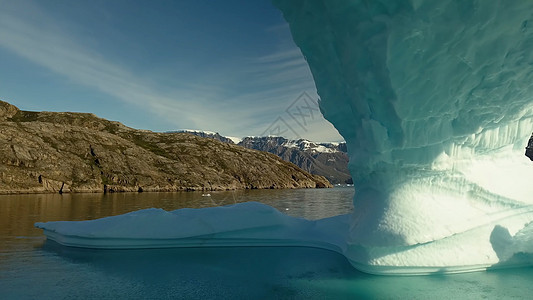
(7, 110)
(72, 152)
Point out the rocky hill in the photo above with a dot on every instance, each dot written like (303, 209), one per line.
(77, 152)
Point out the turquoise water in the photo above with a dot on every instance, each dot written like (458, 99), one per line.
(31, 268)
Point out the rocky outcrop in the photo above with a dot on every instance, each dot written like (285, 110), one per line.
(73, 152)
(7, 110)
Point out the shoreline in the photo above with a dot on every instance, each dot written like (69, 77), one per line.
(148, 190)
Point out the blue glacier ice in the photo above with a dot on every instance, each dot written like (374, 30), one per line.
(434, 99)
(435, 102)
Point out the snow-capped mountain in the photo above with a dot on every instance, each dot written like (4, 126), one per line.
(327, 159)
(306, 145)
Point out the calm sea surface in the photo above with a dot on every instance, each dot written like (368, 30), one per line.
(31, 268)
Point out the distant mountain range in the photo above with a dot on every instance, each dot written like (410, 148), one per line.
(326, 159)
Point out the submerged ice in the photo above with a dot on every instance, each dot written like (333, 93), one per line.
(434, 100)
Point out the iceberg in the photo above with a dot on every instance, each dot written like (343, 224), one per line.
(239, 225)
(434, 100)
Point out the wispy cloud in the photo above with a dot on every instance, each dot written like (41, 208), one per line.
(48, 46)
(272, 81)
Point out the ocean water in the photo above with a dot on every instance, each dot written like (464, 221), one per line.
(32, 268)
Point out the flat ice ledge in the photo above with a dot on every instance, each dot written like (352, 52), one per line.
(244, 224)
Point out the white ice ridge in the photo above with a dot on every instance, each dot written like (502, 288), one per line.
(434, 101)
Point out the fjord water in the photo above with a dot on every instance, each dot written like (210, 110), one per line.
(32, 268)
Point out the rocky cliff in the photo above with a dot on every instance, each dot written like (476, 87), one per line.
(77, 152)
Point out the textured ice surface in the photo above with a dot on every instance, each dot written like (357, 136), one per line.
(434, 100)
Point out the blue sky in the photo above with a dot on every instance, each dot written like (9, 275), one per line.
(224, 66)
